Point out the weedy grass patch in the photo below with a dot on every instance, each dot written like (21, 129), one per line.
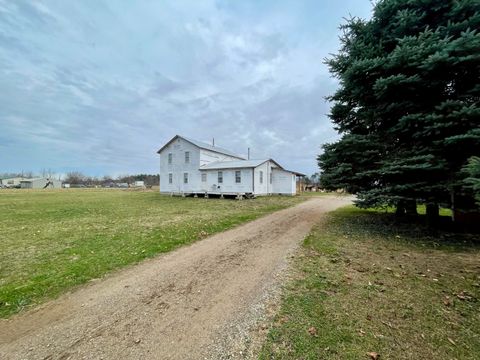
(367, 287)
(53, 240)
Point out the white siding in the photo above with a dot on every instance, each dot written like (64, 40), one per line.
(262, 188)
(266, 187)
(284, 182)
(228, 185)
(178, 167)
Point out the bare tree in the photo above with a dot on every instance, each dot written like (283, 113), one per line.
(75, 177)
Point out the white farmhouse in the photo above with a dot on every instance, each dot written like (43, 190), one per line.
(192, 167)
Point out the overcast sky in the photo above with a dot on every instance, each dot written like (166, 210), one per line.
(99, 86)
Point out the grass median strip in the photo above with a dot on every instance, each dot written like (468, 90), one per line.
(54, 240)
(366, 286)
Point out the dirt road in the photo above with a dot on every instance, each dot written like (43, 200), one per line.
(202, 301)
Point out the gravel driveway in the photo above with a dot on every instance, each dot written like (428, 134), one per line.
(203, 301)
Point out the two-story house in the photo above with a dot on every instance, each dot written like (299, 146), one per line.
(192, 167)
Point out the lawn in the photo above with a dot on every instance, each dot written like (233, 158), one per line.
(365, 285)
(53, 240)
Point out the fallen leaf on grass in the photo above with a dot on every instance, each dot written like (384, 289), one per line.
(373, 355)
(464, 296)
(312, 331)
(389, 324)
(447, 301)
(452, 342)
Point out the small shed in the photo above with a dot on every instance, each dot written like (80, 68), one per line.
(40, 183)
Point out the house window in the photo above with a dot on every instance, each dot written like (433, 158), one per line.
(185, 178)
(204, 177)
(170, 178)
(271, 177)
(187, 157)
(238, 176)
(220, 177)
(170, 156)
(261, 177)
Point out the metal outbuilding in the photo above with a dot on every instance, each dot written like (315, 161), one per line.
(12, 182)
(40, 183)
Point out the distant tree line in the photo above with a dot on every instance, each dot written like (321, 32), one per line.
(78, 178)
(45, 173)
(313, 179)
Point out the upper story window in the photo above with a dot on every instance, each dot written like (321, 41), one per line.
(170, 158)
(238, 176)
(261, 177)
(187, 157)
(170, 178)
(220, 177)
(204, 177)
(185, 178)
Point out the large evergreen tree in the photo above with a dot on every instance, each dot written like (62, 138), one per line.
(407, 105)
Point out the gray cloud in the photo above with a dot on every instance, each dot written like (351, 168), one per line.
(99, 86)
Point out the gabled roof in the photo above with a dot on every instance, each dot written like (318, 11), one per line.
(202, 145)
(296, 173)
(218, 165)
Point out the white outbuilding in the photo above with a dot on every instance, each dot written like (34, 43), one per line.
(12, 182)
(40, 183)
(192, 167)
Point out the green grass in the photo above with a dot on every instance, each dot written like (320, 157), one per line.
(53, 240)
(365, 283)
